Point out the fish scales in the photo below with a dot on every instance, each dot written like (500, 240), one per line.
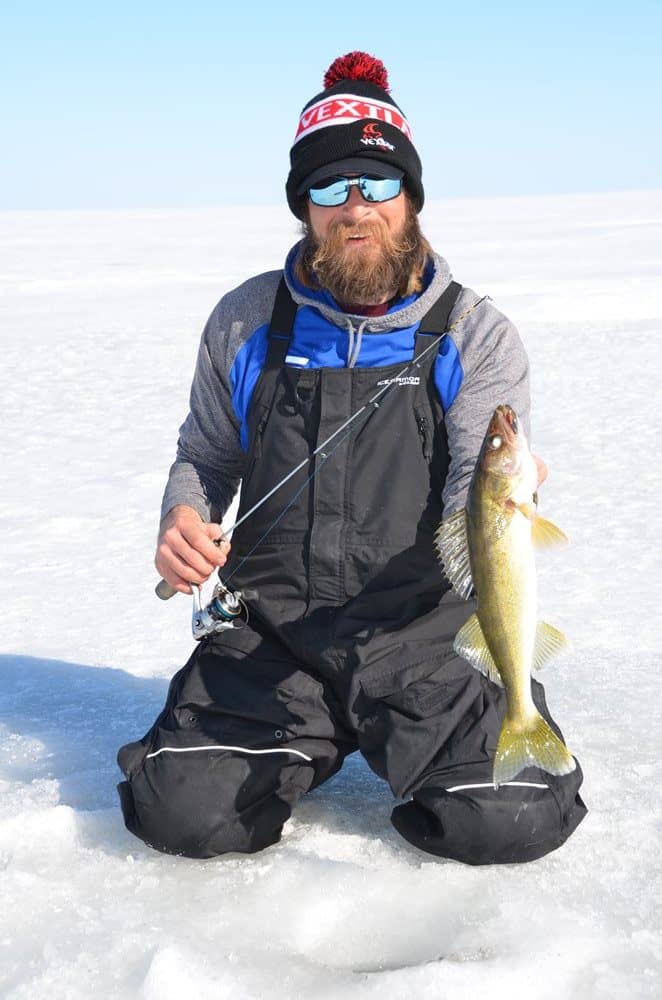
(503, 571)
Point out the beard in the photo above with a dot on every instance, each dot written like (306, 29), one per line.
(388, 264)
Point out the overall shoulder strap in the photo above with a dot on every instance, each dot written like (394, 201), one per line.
(280, 327)
(436, 319)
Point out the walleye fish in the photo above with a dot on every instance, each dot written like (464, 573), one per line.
(488, 546)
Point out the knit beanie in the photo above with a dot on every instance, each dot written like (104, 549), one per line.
(353, 125)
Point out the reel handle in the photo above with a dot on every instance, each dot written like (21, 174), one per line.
(164, 590)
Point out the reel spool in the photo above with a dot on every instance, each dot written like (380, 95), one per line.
(225, 610)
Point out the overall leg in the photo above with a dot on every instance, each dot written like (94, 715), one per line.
(244, 733)
(456, 812)
(431, 730)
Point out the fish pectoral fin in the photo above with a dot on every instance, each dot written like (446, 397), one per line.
(550, 642)
(544, 533)
(470, 643)
(528, 509)
(453, 550)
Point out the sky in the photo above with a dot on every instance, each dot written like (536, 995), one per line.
(171, 105)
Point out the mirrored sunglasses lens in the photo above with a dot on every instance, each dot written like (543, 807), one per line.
(333, 193)
(380, 188)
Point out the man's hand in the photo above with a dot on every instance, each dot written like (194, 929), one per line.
(542, 470)
(185, 552)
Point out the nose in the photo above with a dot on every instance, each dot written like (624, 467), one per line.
(356, 207)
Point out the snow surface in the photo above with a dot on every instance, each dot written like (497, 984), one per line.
(101, 315)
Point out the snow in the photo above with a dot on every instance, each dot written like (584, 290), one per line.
(101, 315)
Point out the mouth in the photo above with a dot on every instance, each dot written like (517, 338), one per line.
(504, 423)
(511, 417)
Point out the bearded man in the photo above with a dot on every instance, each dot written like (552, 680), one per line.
(349, 640)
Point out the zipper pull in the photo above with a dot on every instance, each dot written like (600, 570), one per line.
(423, 425)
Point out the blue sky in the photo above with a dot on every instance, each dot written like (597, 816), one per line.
(190, 104)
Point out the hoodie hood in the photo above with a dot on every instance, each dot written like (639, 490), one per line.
(404, 313)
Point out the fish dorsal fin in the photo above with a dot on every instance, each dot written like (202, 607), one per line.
(550, 642)
(544, 533)
(453, 550)
(470, 643)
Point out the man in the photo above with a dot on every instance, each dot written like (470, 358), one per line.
(349, 642)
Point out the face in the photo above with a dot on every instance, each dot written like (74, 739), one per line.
(357, 212)
(363, 252)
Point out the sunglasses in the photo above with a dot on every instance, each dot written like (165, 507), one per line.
(336, 190)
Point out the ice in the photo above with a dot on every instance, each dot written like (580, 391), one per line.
(101, 316)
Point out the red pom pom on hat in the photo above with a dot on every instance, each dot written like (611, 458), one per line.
(357, 66)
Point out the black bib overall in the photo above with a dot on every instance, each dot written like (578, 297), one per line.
(350, 639)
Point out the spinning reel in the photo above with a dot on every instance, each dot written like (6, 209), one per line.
(226, 609)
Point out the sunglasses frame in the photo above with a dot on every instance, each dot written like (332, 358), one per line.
(356, 182)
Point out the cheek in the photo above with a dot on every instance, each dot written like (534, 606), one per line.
(394, 214)
(320, 219)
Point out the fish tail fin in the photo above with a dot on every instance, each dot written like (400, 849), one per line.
(533, 745)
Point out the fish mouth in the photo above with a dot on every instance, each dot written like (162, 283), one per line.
(504, 424)
(502, 449)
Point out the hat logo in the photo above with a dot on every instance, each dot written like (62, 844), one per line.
(348, 109)
(373, 137)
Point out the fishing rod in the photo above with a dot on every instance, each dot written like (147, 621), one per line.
(227, 607)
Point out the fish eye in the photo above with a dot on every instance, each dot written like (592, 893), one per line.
(514, 424)
(495, 442)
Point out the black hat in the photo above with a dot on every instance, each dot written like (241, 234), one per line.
(353, 125)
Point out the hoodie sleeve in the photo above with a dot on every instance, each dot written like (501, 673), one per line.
(206, 472)
(495, 370)
(210, 459)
